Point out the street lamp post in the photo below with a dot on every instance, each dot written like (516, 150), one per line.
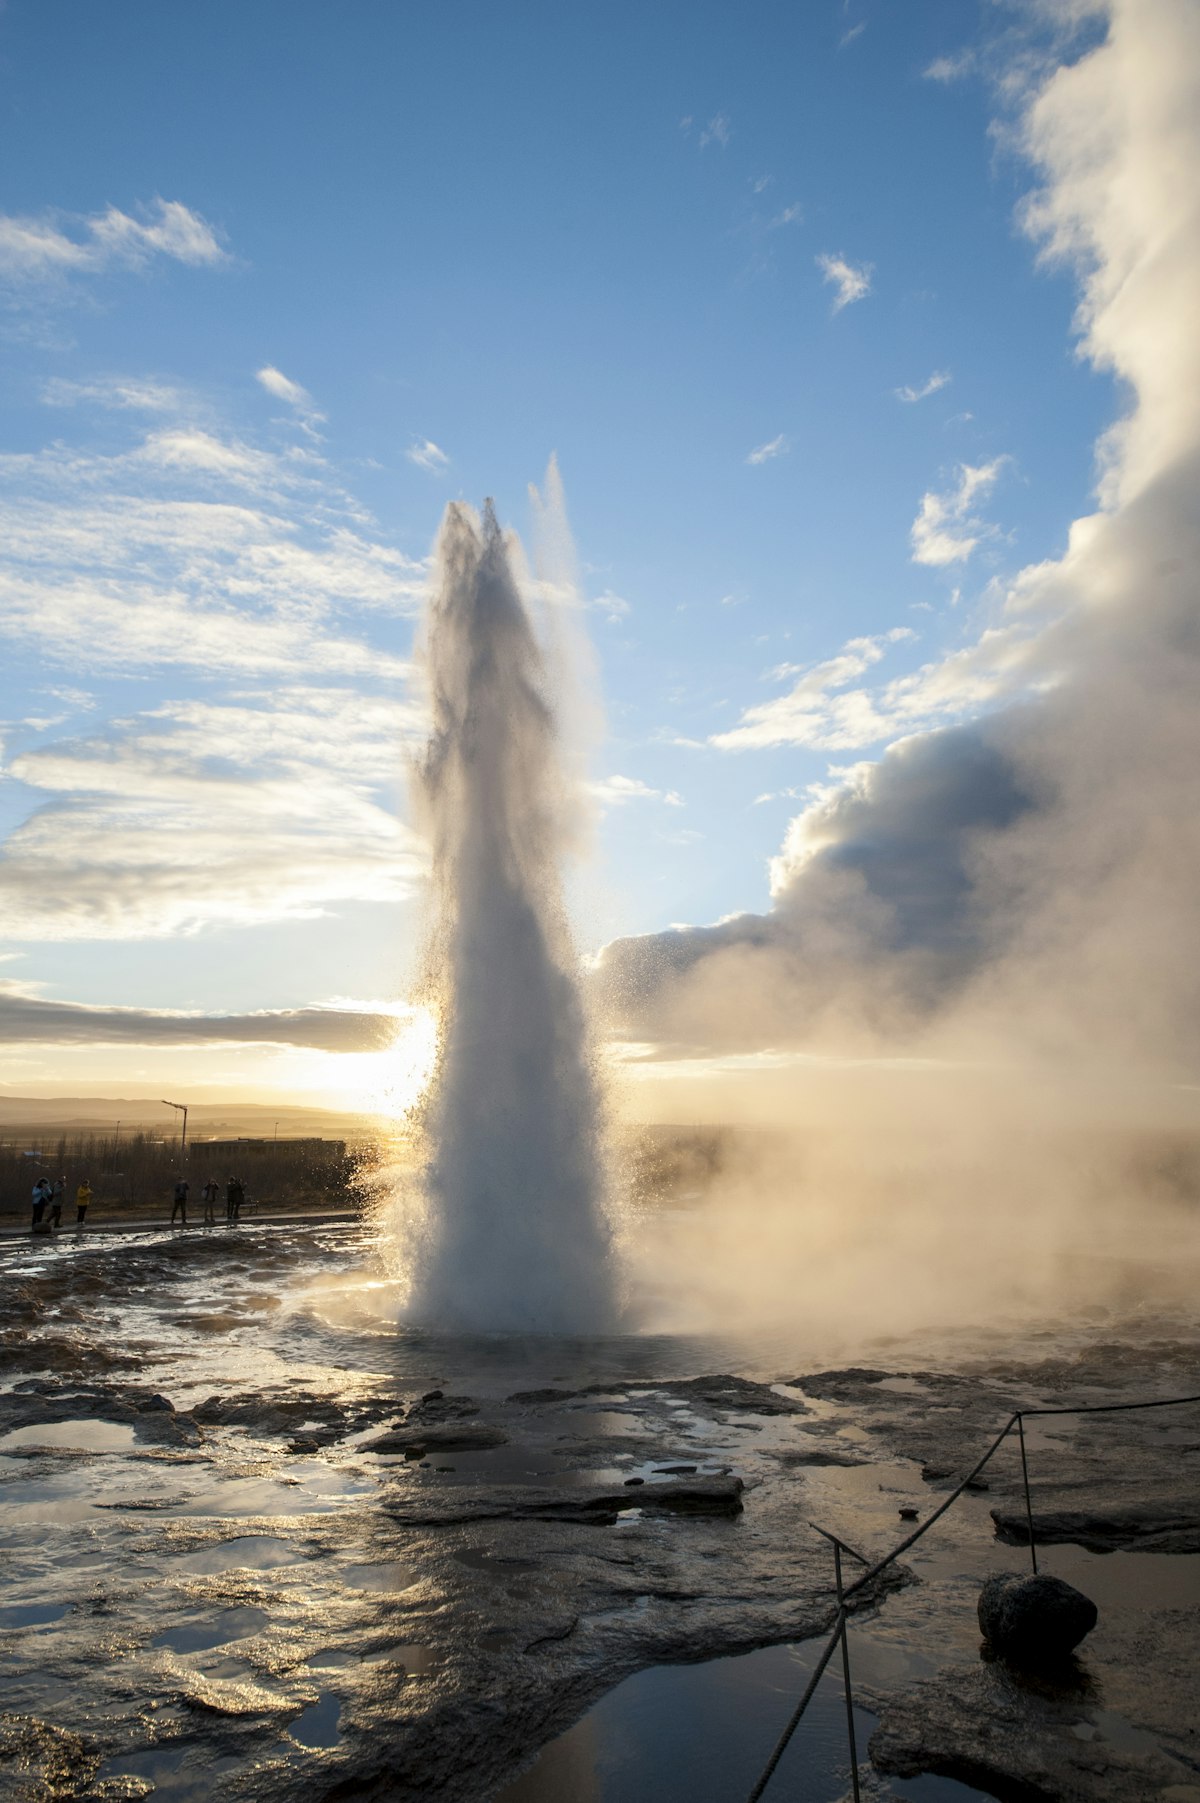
(182, 1109)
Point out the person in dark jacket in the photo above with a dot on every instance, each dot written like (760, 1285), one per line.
(179, 1204)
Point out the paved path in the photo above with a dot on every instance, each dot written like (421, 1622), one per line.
(158, 1224)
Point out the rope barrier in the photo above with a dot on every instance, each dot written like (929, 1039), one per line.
(1016, 1420)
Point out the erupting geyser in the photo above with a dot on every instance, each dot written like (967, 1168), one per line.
(515, 1234)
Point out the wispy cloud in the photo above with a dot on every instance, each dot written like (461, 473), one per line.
(822, 710)
(789, 215)
(614, 608)
(939, 379)
(815, 711)
(615, 791)
(849, 37)
(946, 531)
(133, 394)
(774, 447)
(51, 246)
(192, 550)
(852, 281)
(717, 131)
(292, 394)
(428, 456)
(951, 68)
(281, 798)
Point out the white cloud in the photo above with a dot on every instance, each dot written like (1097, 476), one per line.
(853, 282)
(193, 551)
(717, 131)
(272, 804)
(775, 447)
(615, 791)
(296, 397)
(951, 68)
(49, 246)
(821, 709)
(789, 215)
(614, 607)
(945, 530)
(132, 394)
(939, 379)
(849, 37)
(428, 456)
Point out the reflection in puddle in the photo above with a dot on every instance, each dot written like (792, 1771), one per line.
(217, 1630)
(318, 1726)
(32, 1615)
(311, 1488)
(258, 1551)
(678, 1733)
(77, 1436)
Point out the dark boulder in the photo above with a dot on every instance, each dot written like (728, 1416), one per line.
(1034, 1621)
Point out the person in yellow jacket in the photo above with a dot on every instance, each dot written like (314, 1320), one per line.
(83, 1196)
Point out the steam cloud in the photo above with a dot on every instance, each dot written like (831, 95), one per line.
(1030, 878)
(975, 1001)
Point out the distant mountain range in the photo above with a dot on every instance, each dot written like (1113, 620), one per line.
(206, 1120)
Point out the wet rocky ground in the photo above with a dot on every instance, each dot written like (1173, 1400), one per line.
(255, 1543)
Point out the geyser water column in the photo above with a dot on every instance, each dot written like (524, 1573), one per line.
(515, 1234)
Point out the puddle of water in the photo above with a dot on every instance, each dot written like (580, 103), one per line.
(198, 1636)
(168, 1771)
(78, 1436)
(258, 1552)
(32, 1615)
(493, 1465)
(1127, 1580)
(317, 1490)
(318, 1726)
(678, 1733)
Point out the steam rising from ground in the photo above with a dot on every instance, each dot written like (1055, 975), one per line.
(513, 1235)
(1008, 910)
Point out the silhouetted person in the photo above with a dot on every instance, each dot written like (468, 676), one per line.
(235, 1195)
(58, 1190)
(210, 1192)
(83, 1196)
(41, 1195)
(179, 1205)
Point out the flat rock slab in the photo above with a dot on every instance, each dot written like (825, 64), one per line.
(1160, 1525)
(417, 1440)
(986, 1728)
(720, 1495)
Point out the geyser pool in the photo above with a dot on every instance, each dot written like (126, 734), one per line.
(514, 1234)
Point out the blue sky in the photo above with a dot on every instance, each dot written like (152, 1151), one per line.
(279, 281)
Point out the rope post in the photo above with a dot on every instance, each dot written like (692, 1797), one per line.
(1028, 1503)
(837, 1571)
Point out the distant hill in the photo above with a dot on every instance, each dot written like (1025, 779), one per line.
(206, 1120)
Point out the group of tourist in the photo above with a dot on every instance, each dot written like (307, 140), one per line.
(48, 1201)
(49, 1197)
(235, 1196)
